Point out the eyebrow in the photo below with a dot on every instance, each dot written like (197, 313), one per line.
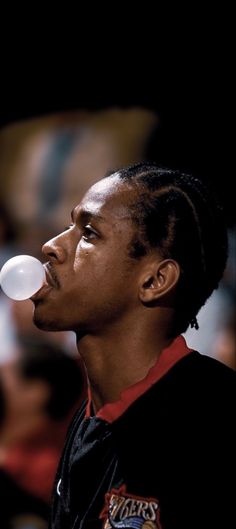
(85, 215)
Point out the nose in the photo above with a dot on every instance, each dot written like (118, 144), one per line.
(54, 250)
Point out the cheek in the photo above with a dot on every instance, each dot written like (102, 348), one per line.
(97, 268)
(90, 264)
(85, 256)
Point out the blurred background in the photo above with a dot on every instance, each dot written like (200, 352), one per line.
(53, 145)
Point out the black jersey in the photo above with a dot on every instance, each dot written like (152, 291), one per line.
(163, 460)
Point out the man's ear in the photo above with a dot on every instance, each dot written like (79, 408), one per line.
(158, 279)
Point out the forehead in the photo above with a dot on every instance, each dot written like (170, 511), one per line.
(110, 197)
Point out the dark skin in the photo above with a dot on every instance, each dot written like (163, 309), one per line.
(97, 290)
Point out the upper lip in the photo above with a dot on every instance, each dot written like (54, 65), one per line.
(51, 276)
(51, 281)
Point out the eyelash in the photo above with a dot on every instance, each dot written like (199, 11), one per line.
(87, 230)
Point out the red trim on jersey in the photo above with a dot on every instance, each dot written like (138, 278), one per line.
(168, 358)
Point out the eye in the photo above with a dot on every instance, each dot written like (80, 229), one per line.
(89, 233)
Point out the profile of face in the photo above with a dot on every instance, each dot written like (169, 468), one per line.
(91, 279)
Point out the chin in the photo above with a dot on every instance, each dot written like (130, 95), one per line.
(45, 325)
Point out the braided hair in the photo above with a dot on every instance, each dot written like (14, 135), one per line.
(176, 213)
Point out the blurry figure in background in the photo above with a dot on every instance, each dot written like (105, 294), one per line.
(52, 159)
(42, 387)
(7, 235)
(18, 509)
(225, 343)
(217, 333)
(7, 250)
(2, 405)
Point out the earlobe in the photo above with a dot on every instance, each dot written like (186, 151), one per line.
(159, 280)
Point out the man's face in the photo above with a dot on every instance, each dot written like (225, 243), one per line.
(92, 281)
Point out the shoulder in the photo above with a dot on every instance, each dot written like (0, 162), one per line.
(198, 368)
(207, 363)
(202, 385)
(200, 394)
(197, 390)
(208, 374)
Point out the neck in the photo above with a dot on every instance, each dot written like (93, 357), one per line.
(116, 361)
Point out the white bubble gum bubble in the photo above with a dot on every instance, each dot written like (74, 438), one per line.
(21, 277)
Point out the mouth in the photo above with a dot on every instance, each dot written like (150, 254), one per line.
(51, 282)
(51, 276)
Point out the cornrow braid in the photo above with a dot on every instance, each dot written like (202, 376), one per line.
(179, 215)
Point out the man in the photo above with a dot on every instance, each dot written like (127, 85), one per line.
(153, 446)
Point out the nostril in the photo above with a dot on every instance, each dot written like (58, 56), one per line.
(49, 251)
(52, 254)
